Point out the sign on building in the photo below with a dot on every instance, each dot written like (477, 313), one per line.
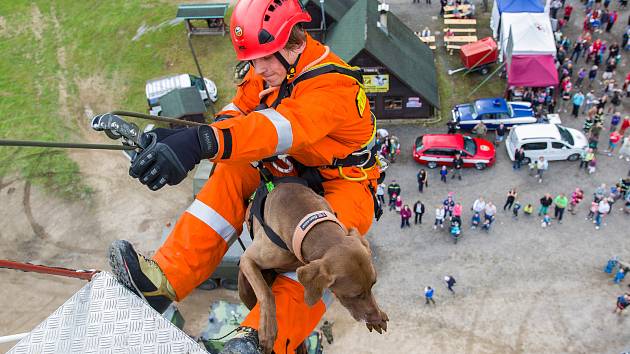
(376, 83)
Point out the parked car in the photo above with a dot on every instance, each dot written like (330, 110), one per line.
(553, 141)
(493, 111)
(434, 150)
(159, 87)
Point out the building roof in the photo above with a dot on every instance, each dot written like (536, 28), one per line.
(334, 8)
(399, 50)
(201, 11)
(520, 6)
(490, 105)
(182, 102)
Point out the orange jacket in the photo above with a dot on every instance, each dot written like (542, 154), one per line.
(325, 117)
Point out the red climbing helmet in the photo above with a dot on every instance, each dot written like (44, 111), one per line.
(261, 27)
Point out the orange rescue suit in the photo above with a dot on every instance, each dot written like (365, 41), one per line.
(324, 117)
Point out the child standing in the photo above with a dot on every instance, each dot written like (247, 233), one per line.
(576, 198)
(592, 166)
(613, 140)
(515, 209)
(476, 219)
(529, 209)
(439, 217)
(592, 210)
(405, 215)
(546, 221)
(443, 173)
(399, 204)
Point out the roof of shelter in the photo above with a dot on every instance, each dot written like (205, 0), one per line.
(202, 11)
(520, 6)
(334, 8)
(399, 49)
(182, 102)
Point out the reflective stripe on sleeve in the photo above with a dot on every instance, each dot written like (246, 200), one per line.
(231, 107)
(283, 129)
(211, 218)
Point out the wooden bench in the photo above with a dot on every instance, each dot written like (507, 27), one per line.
(452, 47)
(462, 8)
(452, 16)
(460, 30)
(430, 40)
(461, 21)
(460, 39)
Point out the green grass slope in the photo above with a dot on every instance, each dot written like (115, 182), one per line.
(62, 59)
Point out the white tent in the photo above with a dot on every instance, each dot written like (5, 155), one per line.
(531, 34)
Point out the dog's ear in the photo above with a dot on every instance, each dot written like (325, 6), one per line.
(355, 233)
(315, 278)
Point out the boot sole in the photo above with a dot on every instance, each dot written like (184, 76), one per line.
(119, 266)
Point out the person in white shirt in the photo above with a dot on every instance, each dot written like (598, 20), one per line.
(603, 208)
(479, 205)
(380, 193)
(439, 217)
(490, 211)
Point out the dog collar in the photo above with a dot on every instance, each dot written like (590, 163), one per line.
(306, 224)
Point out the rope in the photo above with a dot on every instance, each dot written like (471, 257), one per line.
(64, 272)
(32, 143)
(155, 118)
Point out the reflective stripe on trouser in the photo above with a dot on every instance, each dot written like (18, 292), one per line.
(204, 232)
(196, 245)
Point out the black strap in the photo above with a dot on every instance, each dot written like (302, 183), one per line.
(258, 210)
(286, 88)
(363, 158)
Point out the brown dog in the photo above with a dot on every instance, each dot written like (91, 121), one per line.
(333, 258)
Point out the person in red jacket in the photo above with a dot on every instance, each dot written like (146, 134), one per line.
(568, 9)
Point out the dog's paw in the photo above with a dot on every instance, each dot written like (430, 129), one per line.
(379, 326)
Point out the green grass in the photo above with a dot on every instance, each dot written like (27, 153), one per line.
(458, 88)
(86, 48)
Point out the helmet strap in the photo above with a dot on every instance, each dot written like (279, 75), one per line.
(290, 68)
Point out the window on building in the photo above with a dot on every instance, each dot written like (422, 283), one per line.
(393, 103)
(372, 101)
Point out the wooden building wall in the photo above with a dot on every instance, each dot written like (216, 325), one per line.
(399, 101)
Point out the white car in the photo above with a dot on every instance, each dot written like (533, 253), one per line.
(553, 141)
(159, 87)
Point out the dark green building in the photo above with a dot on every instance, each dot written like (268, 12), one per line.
(398, 69)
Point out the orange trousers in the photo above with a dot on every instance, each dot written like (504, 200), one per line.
(201, 236)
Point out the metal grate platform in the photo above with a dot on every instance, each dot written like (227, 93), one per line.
(105, 317)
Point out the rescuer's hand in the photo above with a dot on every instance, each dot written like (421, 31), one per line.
(169, 154)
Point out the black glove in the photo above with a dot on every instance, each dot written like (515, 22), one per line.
(168, 154)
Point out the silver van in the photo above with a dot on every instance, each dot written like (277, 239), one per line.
(553, 141)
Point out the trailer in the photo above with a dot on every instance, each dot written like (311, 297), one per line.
(478, 56)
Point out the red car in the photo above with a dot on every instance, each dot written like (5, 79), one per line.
(440, 149)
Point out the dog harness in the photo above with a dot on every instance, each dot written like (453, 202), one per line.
(306, 224)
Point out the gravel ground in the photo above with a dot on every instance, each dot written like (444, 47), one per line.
(520, 288)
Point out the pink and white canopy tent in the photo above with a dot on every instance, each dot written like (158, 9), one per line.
(532, 71)
(526, 34)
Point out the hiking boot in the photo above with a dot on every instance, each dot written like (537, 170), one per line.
(141, 275)
(245, 341)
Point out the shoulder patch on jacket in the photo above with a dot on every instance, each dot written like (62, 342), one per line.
(361, 101)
